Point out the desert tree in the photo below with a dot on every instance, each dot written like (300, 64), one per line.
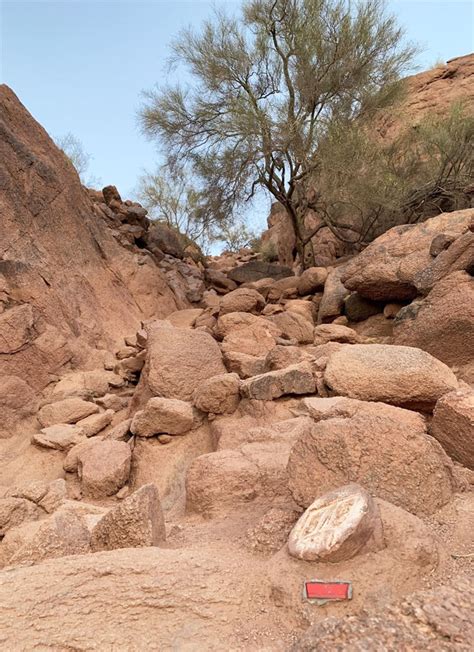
(266, 88)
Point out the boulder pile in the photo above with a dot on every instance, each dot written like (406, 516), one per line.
(249, 427)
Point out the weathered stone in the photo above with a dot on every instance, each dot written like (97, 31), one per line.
(218, 395)
(453, 425)
(179, 360)
(337, 526)
(399, 375)
(244, 365)
(137, 522)
(54, 497)
(302, 307)
(459, 256)
(63, 533)
(236, 321)
(296, 379)
(332, 301)
(257, 269)
(185, 318)
(384, 449)
(257, 340)
(294, 326)
(443, 324)
(113, 402)
(281, 357)
(14, 511)
(94, 423)
(242, 300)
(69, 410)
(312, 280)
(104, 467)
(163, 415)
(120, 432)
(387, 268)
(220, 281)
(16, 328)
(335, 333)
(60, 437)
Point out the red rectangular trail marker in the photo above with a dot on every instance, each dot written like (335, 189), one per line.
(322, 591)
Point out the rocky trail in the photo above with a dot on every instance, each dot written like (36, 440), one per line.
(185, 441)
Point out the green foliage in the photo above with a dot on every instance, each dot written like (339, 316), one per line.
(373, 187)
(268, 88)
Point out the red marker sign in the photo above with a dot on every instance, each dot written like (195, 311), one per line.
(320, 591)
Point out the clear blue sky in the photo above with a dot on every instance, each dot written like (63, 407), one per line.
(79, 65)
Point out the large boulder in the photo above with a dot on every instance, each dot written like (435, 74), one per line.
(137, 522)
(257, 339)
(218, 395)
(453, 425)
(69, 410)
(384, 449)
(459, 256)
(332, 302)
(296, 379)
(15, 511)
(163, 415)
(443, 323)
(64, 533)
(294, 326)
(399, 375)
(242, 300)
(337, 526)
(312, 280)
(258, 269)
(386, 270)
(178, 360)
(103, 467)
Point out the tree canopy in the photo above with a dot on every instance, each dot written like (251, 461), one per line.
(268, 87)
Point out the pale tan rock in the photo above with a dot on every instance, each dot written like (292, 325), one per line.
(33, 610)
(319, 408)
(218, 395)
(185, 318)
(63, 533)
(256, 340)
(312, 280)
(16, 328)
(95, 423)
(399, 375)
(296, 379)
(163, 415)
(294, 326)
(69, 410)
(302, 307)
(391, 310)
(386, 270)
(54, 496)
(281, 357)
(178, 360)
(332, 301)
(33, 491)
(218, 481)
(14, 511)
(242, 300)
(386, 450)
(244, 365)
(442, 324)
(126, 352)
(104, 467)
(453, 425)
(136, 523)
(71, 460)
(335, 333)
(60, 437)
(120, 432)
(113, 402)
(337, 526)
(86, 384)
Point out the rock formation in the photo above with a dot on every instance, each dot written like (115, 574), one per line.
(188, 439)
